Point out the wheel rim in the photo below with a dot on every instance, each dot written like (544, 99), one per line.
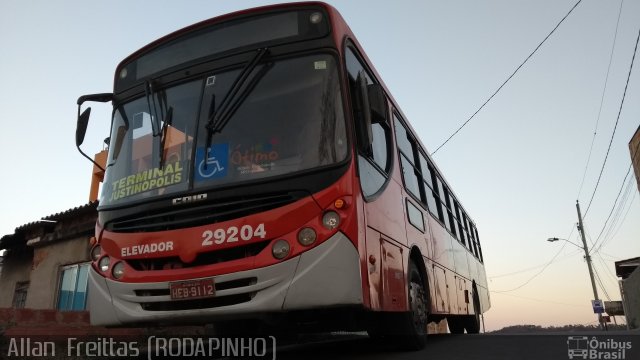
(418, 305)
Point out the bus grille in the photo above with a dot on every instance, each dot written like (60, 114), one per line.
(209, 213)
(208, 258)
(197, 303)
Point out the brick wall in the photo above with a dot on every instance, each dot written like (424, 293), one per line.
(45, 322)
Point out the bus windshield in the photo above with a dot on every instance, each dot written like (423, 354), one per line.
(290, 120)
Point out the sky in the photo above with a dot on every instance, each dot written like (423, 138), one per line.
(517, 167)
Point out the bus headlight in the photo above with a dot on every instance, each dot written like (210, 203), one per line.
(95, 252)
(307, 236)
(118, 270)
(104, 264)
(331, 220)
(280, 249)
(315, 18)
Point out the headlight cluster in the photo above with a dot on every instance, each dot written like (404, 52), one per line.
(307, 236)
(104, 263)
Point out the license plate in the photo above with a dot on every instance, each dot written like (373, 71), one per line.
(192, 289)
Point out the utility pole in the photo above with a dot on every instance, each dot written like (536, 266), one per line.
(588, 258)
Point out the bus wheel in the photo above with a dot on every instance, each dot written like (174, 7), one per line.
(472, 323)
(414, 331)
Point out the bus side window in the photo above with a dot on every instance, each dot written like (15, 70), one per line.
(461, 231)
(450, 221)
(374, 168)
(478, 242)
(427, 177)
(439, 190)
(473, 246)
(465, 223)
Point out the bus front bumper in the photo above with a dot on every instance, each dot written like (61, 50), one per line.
(327, 275)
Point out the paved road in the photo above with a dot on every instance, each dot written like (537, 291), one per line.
(468, 347)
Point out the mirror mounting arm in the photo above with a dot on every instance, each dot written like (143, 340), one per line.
(83, 120)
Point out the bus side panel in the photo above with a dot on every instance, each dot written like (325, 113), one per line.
(483, 292)
(374, 272)
(473, 268)
(441, 245)
(441, 296)
(460, 258)
(419, 238)
(463, 294)
(431, 277)
(386, 214)
(387, 286)
(394, 285)
(481, 277)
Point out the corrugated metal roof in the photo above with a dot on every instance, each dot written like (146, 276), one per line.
(625, 267)
(91, 206)
(9, 240)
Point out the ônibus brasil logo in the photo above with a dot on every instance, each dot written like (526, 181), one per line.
(583, 347)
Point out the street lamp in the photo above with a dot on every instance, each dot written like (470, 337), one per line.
(570, 242)
(586, 256)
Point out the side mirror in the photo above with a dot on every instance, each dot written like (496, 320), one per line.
(363, 125)
(377, 103)
(83, 120)
(81, 127)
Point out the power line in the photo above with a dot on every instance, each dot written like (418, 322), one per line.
(536, 274)
(619, 226)
(604, 264)
(532, 267)
(619, 210)
(597, 276)
(509, 78)
(633, 157)
(607, 239)
(538, 300)
(545, 265)
(606, 81)
(599, 256)
(615, 126)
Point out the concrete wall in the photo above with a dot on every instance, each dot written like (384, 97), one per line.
(42, 268)
(45, 272)
(631, 288)
(16, 268)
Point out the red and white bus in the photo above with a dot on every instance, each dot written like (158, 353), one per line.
(258, 168)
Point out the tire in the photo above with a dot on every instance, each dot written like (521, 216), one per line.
(472, 323)
(407, 330)
(414, 328)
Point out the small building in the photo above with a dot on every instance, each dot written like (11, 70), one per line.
(46, 262)
(629, 272)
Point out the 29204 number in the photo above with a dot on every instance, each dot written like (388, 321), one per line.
(232, 234)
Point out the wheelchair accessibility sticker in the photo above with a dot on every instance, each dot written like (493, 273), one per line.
(214, 165)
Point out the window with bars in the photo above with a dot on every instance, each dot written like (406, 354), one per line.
(20, 295)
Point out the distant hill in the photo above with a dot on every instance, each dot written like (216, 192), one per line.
(527, 329)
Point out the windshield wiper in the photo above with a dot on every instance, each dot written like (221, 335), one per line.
(151, 103)
(159, 124)
(165, 128)
(234, 98)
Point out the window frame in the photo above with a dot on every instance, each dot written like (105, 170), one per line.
(409, 204)
(61, 273)
(20, 293)
(350, 47)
